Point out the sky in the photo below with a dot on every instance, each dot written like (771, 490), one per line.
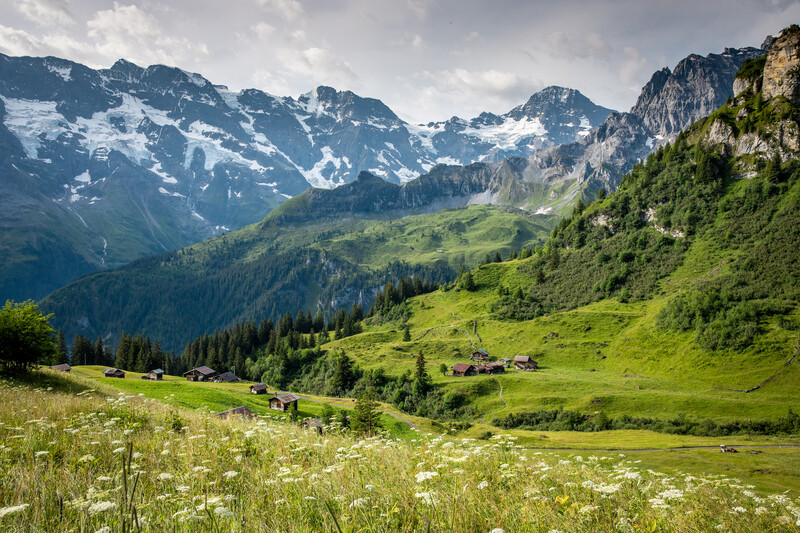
(427, 60)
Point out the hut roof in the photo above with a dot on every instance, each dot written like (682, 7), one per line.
(227, 376)
(522, 359)
(63, 367)
(204, 370)
(259, 386)
(481, 352)
(287, 397)
(108, 371)
(156, 371)
(462, 367)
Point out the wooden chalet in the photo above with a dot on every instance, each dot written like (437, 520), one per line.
(242, 411)
(201, 373)
(464, 369)
(226, 377)
(490, 368)
(480, 355)
(283, 402)
(524, 362)
(114, 373)
(258, 388)
(154, 375)
(64, 367)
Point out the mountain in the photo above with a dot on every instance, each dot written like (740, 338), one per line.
(269, 268)
(105, 166)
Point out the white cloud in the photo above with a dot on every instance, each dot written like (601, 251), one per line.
(17, 42)
(46, 12)
(409, 40)
(419, 8)
(320, 65)
(290, 10)
(583, 46)
(634, 67)
(132, 33)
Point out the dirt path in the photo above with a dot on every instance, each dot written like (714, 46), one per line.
(773, 376)
(501, 391)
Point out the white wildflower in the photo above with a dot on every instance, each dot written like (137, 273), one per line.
(104, 529)
(101, 507)
(118, 450)
(360, 502)
(86, 458)
(671, 494)
(738, 510)
(5, 511)
(483, 484)
(424, 476)
(165, 476)
(41, 453)
(498, 530)
(588, 509)
(230, 474)
(428, 498)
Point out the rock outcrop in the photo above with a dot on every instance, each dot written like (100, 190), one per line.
(782, 69)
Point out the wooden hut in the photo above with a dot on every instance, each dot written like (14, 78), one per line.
(480, 355)
(114, 373)
(490, 368)
(258, 388)
(201, 373)
(283, 402)
(524, 362)
(226, 377)
(154, 375)
(464, 369)
(64, 367)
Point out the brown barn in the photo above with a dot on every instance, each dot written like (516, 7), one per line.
(154, 375)
(258, 388)
(464, 369)
(226, 377)
(283, 402)
(64, 367)
(242, 411)
(480, 355)
(114, 373)
(524, 362)
(201, 373)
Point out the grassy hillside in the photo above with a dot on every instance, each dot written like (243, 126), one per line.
(267, 269)
(78, 455)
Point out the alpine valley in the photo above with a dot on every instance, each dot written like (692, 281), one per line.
(101, 167)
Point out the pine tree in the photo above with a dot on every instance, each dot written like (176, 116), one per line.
(62, 352)
(343, 375)
(406, 334)
(422, 381)
(366, 417)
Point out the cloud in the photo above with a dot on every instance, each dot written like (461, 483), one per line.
(419, 8)
(583, 47)
(17, 42)
(320, 66)
(132, 33)
(413, 41)
(46, 12)
(290, 10)
(634, 67)
(471, 90)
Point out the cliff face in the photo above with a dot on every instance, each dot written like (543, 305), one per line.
(782, 68)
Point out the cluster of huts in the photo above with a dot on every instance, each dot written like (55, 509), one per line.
(482, 364)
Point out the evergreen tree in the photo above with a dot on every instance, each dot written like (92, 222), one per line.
(82, 351)
(366, 416)
(406, 334)
(343, 376)
(497, 258)
(319, 321)
(99, 355)
(422, 381)
(62, 351)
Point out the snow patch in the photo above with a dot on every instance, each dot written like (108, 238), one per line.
(315, 177)
(64, 72)
(507, 134)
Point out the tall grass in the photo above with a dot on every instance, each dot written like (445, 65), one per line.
(62, 456)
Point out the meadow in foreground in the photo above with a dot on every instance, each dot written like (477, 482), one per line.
(88, 460)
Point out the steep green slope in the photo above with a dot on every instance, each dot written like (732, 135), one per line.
(267, 269)
(676, 298)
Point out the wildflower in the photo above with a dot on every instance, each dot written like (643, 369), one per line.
(104, 529)
(588, 509)
(230, 474)
(101, 507)
(86, 458)
(369, 487)
(165, 476)
(737, 510)
(118, 450)
(483, 484)
(424, 476)
(41, 453)
(428, 498)
(360, 502)
(498, 530)
(5, 511)
(671, 494)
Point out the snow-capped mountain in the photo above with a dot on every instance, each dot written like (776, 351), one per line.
(103, 166)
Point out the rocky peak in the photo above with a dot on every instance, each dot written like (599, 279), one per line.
(782, 68)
